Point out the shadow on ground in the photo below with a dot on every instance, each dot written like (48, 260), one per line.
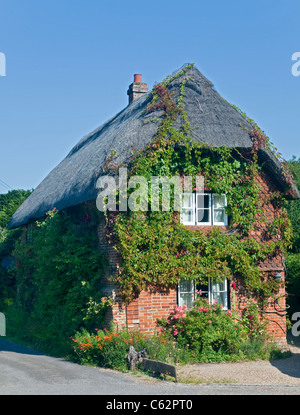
(291, 365)
(8, 346)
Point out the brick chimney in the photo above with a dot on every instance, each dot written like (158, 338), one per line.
(137, 88)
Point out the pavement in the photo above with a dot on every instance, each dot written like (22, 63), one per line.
(26, 372)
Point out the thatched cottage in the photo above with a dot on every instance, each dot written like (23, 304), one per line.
(212, 120)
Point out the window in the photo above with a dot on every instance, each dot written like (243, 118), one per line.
(204, 209)
(188, 209)
(212, 291)
(186, 293)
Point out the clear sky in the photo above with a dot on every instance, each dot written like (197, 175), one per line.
(70, 62)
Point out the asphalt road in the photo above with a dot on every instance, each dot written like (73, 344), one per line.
(27, 372)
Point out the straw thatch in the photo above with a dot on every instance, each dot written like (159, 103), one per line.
(73, 181)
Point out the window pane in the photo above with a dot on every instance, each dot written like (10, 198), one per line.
(219, 292)
(203, 201)
(203, 290)
(219, 216)
(186, 293)
(186, 286)
(188, 216)
(219, 286)
(186, 299)
(187, 201)
(221, 298)
(203, 215)
(219, 201)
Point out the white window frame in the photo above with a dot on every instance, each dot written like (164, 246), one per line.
(192, 207)
(180, 292)
(195, 207)
(211, 293)
(225, 223)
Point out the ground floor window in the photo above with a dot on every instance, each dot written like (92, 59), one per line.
(214, 292)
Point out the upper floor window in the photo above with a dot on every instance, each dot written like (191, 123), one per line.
(204, 209)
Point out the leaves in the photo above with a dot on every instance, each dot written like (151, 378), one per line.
(157, 250)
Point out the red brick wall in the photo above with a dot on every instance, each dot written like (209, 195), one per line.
(275, 312)
(150, 306)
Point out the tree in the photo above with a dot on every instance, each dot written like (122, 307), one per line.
(293, 257)
(9, 203)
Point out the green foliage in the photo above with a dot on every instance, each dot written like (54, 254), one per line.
(210, 334)
(9, 203)
(158, 251)
(203, 334)
(294, 206)
(205, 329)
(56, 277)
(293, 256)
(109, 348)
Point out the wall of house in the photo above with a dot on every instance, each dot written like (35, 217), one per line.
(143, 312)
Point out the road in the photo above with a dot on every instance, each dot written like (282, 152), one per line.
(27, 372)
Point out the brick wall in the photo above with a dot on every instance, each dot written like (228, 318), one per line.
(143, 312)
(275, 312)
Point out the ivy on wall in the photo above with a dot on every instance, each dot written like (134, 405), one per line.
(158, 251)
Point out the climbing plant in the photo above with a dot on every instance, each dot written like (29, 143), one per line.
(158, 251)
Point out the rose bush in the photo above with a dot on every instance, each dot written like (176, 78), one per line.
(206, 329)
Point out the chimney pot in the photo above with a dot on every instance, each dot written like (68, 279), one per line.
(137, 78)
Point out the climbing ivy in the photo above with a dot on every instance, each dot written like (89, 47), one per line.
(158, 251)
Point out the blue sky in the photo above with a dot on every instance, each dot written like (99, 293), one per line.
(69, 64)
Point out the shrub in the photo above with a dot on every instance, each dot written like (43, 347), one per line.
(56, 279)
(109, 348)
(206, 329)
(206, 333)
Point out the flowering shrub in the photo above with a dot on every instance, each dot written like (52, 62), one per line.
(106, 349)
(214, 334)
(206, 333)
(252, 322)
(109, 348)
(206, 329)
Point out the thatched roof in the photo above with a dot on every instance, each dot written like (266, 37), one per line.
(73, 180)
